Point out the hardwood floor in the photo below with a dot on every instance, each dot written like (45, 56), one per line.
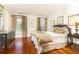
(21, 46)
(25, 46)
(65, 50)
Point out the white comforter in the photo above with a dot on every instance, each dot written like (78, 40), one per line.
(57, 39)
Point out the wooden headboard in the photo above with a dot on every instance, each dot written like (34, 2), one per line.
(69, 29)
(60, 25)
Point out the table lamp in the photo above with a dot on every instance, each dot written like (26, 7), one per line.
(76, 27)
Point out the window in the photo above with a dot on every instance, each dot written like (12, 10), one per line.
(1, 22)
(19, 24)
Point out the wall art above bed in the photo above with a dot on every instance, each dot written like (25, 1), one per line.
(72, 19)
(60, 20)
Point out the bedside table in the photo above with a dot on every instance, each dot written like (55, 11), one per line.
(75, 37)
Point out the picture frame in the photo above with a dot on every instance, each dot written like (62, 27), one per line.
(31, 23)
(60, 20)
(72, 19)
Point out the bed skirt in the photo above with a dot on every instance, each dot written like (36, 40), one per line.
(50, 46)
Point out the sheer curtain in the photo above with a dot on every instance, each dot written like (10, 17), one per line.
(38, 24)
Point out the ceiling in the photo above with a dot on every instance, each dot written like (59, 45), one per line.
(33, 9)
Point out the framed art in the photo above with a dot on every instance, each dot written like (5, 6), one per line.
(60, 20)
(73, 19)
(31, 22)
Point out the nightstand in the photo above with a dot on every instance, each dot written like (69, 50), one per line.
(75, 39)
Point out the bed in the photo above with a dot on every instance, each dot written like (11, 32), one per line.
(52, 40)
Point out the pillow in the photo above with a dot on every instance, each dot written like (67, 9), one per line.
(44, 38)
(59, 30)
(54, 29)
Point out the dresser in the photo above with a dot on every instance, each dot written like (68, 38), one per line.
(6, 39)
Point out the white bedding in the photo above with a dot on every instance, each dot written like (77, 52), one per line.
(57, 38)
(53, 34)
(59, 41)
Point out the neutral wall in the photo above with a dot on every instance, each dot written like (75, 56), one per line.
(53, 16)
(65, 10)
(71, 10)
(33, 18)
(31, 24)
(30, 19)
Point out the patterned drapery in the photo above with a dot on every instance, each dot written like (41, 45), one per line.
(14, 22)
(24, 26)
(38, 24)
(45, 24)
